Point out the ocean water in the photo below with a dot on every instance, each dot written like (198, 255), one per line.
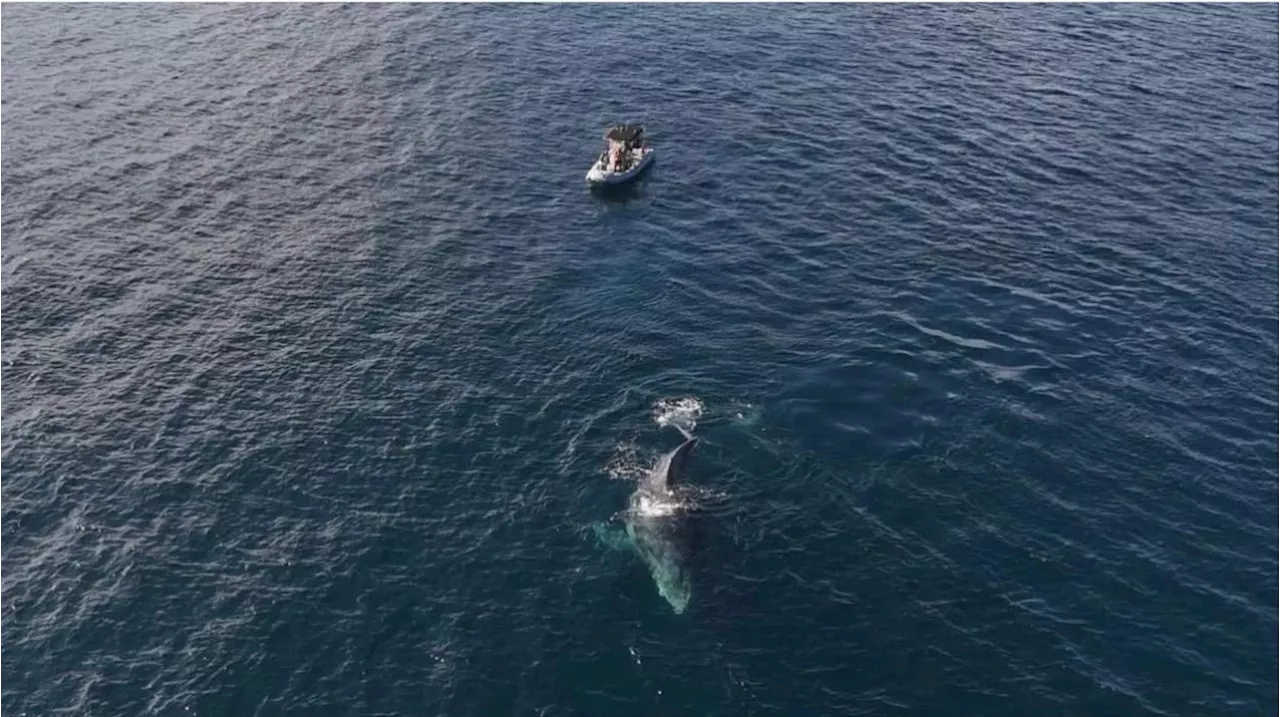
(322, 362)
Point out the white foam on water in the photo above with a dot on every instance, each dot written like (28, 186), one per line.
(658, 506)
(698, 496)
(746, 414)
(625, 464)
(682, 412)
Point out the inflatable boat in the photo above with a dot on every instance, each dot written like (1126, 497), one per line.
(626, 155)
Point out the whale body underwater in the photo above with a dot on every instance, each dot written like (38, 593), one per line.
(655, 529)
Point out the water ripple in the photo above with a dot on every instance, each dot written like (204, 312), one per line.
(321, 357)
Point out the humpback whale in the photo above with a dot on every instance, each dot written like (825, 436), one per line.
(654, 526)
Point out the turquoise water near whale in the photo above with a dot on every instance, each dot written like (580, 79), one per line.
(321, 360)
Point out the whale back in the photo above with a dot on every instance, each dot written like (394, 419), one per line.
(661, 537)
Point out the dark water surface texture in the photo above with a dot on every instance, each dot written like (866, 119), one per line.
(321, 360)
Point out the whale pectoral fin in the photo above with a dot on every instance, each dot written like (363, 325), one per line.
(612, 536)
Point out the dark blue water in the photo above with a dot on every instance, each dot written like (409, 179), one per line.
(322, 361)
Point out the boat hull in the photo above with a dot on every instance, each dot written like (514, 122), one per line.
(599, 176)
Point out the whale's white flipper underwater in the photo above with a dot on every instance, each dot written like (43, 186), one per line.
(654, 527)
